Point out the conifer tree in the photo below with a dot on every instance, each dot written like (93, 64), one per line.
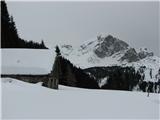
(42, 44)
(4, 12)
(9, 35)
(71, 79)
(5, 23)
(9, 31)
(57, 51)
(13, 26)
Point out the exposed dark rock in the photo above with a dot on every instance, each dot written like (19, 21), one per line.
(144, 53)
(67, 46)
(108, 46)
(130, 56)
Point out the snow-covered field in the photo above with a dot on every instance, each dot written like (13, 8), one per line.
(22, 100)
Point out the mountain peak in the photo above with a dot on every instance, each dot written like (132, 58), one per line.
(105, 50)
(109, 45)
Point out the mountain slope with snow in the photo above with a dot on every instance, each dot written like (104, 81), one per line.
(21, 100)
(105, 51)
(109, 51)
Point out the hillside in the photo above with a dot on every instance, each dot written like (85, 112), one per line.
(9, 33)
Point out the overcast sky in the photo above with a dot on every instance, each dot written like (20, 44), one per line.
(74, 22)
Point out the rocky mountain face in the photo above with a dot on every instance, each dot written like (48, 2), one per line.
(109, 45)
(144, 53)
(105, 48)
(130, 55)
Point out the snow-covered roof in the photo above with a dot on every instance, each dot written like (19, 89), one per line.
(26, 61)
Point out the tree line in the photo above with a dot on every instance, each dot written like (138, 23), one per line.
(9, 34)
(124, 78)
(118, 78)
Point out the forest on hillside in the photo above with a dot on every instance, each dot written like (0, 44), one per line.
(9, 34)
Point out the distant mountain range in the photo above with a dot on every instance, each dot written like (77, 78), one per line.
(106, 50)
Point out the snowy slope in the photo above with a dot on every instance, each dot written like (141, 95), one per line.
(84, 56)
(22, 100)
(150, 63)
(27, 61)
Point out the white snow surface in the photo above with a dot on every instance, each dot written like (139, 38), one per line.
(103, 81)
(27, 61)
(21, 100)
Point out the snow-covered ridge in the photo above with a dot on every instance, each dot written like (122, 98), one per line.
(106, 50)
